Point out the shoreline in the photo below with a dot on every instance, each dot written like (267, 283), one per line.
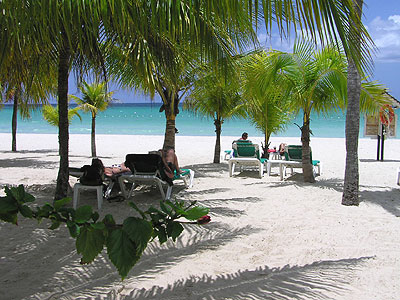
(266, 236)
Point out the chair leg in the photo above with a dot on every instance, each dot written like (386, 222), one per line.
(231, 168)
(99, 197)
(109, 189)
(159, 184)
(191, 178)
(260, 170)
(269, 166)
(130, 193)
(122, 186)
(169, 191)
(76, 195)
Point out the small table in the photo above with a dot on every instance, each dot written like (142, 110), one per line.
(273, 154)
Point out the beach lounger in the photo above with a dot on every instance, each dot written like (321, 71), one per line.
(148, 169)
(246, 155)
(293, 159)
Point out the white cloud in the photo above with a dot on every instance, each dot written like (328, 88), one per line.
(386, 35)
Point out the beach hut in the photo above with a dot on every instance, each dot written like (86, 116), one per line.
(380, 128)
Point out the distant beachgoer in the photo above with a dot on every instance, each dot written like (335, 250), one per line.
(282, 147)
(244, 137)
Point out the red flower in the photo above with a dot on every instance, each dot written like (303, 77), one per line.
(203, 220)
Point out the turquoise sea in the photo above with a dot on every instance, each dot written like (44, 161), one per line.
(145, 119)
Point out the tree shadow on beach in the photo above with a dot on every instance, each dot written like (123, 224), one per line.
(319, 280)
(369, 160)
(27, 162)
(208, 170)
(387, 197)
(40, 151)
(98, 278)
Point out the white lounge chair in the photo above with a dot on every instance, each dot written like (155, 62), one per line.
(246, 154)
(293, 159)
(148, 169)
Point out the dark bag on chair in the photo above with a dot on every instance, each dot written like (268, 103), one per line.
(93, 174)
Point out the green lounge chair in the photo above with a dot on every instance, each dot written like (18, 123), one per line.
(246, 155)
(293, 159)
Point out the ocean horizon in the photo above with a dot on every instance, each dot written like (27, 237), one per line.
(145, 119)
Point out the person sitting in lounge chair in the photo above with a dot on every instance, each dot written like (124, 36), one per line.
(170, 161)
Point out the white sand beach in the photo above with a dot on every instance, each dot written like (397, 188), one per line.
(268, 239)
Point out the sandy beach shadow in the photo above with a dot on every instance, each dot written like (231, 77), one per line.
(319, 280)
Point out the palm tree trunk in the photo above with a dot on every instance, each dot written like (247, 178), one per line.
(63, 135)
(351, 177)
(93, 136)
(14, 121)
(171, 101)
(169, 137)
(217, 151)
(308, 174)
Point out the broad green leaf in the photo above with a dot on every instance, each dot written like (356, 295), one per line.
(54, 224)
(8, 204)
(10, 218)
(174, 229)
(165, 208)
(28, 198)
(44, 211)
(162, 234)
(196, 212)
(178, 208)
(139, 231)
(99, 226)
(25, 211)
(154, 210)
(89, 243)
(133, 205)
(73, 229)
(109, 220)
(60, 203)
(95, 216)
(18, 193)
(83, 214)
(121, 251)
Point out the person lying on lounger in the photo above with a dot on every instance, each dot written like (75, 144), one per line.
(116, 169)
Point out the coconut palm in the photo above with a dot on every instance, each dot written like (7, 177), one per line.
(318, 82)
(95, 98)
(216, 96)
(50, 114)
(267, 106)
(351, 178)
(74, 33)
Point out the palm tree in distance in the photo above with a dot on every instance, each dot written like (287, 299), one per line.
(217, 96)
(95, 98)
(317, 80)
(50, 114)
(266, 106)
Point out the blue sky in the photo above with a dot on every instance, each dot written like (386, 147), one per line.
(382, 18)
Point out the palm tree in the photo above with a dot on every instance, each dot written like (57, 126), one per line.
(217, 96)
(317, 80)
(95, 98)
(73, 32)
(50, 114)
(351, 178)
(267, 106)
